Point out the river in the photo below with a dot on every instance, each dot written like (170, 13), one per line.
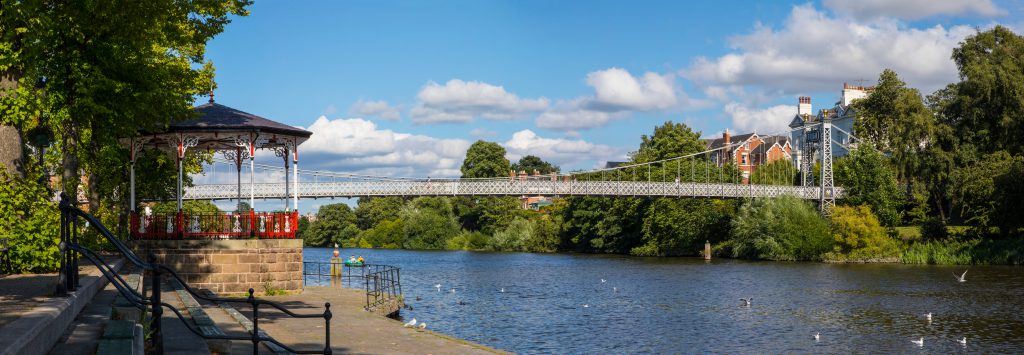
(570, 303)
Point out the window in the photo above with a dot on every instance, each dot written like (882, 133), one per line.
(744, 161)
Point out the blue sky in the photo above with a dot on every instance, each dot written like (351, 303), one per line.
(403, 87)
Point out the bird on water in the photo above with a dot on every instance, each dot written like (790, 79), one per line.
(817, 336)
(438, 286)
(919, 343)
(928, 316)
(962, 277)
(962, 341)
(747, 301)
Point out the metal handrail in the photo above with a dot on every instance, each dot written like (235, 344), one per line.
(69, 281)
(385, 279)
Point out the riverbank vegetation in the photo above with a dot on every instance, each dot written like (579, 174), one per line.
(933, 179)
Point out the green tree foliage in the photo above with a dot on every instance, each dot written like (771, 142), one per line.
(30, 219)
(429, 223)
(370, 211)
(1009, 201)
(604, 225)
(987, 105)
(784, 228)
(514, 237)
(485, 160)
(668, 141)
(334, 223)
(531, 163)
(386, 234)
(986, 190)
(895, 118)
(779, 172)
(868, 179)
(489, 214)
(301, 228)
(860, 237)
(468, 240)
(681, 226)
(190, 207)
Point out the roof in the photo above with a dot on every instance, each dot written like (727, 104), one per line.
(614, 164)
(720, 142)
(214, 117)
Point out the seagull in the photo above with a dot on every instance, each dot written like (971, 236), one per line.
(929, 316)
(817, 336)
(961, 278)
(603, 280)
(747, 301)
(453, 290)
(920, 343)
(586, 305)
(962, 341)
(615, 289)
(502, 289)
(423, 325)
(411, 323)
(438, 286)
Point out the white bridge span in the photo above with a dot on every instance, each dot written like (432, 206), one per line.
(506, 187)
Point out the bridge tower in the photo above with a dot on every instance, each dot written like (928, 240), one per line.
(807, 159)
(828, 197)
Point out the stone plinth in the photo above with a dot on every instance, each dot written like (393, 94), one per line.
(231, 267)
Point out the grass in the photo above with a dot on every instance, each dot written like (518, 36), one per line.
(966, 252)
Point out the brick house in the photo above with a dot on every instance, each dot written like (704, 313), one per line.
(748, 151)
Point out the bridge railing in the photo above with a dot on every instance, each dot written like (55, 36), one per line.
(507, 187)
(382, 283)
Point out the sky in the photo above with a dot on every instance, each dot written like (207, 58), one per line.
(402, 88)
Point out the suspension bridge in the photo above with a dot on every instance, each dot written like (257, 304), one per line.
(697, 175)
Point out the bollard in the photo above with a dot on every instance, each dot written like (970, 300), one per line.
(707, 250)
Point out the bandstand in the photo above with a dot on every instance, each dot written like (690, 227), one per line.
(227, 252)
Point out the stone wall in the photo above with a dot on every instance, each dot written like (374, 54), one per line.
(231, 267)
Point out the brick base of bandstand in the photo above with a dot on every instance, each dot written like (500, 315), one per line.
(231, 267)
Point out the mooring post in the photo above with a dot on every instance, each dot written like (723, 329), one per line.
(707, 250)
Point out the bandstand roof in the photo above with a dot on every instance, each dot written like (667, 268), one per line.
(219, 127)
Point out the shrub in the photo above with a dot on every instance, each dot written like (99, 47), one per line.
(468, 240)
(385, 234)
(515, 236)
(860, 237)
(934, 229)
(31, 220)
(784, 228)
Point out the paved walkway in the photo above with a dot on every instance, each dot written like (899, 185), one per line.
(353, 330)
(20, 293)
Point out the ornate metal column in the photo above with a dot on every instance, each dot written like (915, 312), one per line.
(282, 151)
(184, 142)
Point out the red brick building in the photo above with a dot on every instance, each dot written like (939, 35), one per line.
(748, 151)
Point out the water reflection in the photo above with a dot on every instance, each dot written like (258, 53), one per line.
(682, 305)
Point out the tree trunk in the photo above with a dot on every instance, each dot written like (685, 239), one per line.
(70, 178)
(11, 153)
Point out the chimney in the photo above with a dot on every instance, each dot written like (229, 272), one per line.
(725, 137)
(805, 106)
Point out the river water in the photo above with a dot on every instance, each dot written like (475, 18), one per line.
(558, 303)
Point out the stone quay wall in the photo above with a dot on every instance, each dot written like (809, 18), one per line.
(231, 267)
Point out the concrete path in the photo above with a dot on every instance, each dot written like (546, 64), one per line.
(83, 336)
(353, 330)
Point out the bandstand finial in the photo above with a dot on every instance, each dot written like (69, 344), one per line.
(211, 94)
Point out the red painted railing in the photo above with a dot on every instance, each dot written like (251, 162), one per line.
(245, 225)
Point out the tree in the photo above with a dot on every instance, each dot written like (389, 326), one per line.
(429, 223)
(95, 72)
(485, 160)
(668, 141)
(859, 236)
(370, 211)
(784, 228)
(987, 106)
(531, 163)
(334, 224)
(1009, 200)
(681, 226)
(975, 189)
(868, 179)
(779, 172)
(895, 118)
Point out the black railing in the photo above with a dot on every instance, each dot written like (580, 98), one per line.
(69, 281)
(381, 282)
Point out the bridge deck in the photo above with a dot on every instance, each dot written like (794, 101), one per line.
(507, 188)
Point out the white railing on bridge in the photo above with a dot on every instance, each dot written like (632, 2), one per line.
(505, 188)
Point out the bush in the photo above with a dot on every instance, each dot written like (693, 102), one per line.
(934, 229)
(515, 236)
(681, 226)
(386, 234)
(784, 228)
(31, 220)
(468, 240)
(860, 237)
(966, 252)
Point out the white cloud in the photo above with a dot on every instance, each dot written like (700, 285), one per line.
(460, 101)
(558, 151)
(814, 51)
(771, 120)
(618, 94)
(913, 9)
(574, 115)
(482, 133)
(616, 89)
(358, 146)
(380, 109)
